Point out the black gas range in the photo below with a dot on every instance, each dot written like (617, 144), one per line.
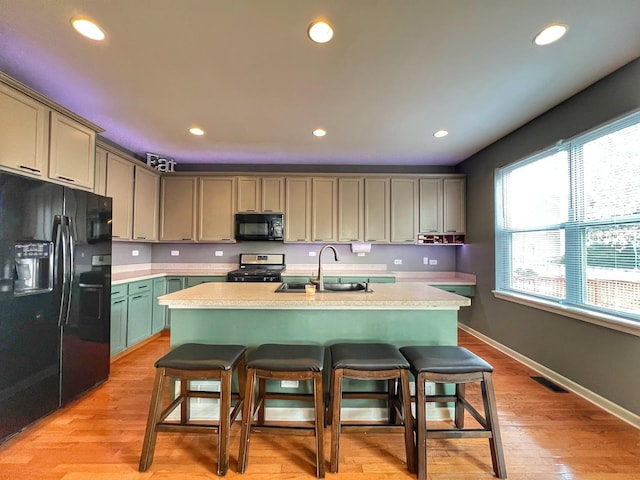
(258, 268)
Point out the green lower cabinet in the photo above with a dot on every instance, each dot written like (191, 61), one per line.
(464, 290)
(139, 311)
(197, 280)
(119, 307)
(173, 285)
(159, 320)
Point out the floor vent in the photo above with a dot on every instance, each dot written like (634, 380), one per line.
(550, 385)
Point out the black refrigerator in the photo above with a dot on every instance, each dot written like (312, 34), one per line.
(55, 289)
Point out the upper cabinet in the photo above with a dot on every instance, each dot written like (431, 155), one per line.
(297, 221)
(377, 209)
(41, 139)
(120, 187)
(324, 209)
(178, 208)
(100, 172)
(24, 130)
(273, 194)
(350, 209)
(260, 194)
(72, 149)
(454, 194)
(216, 207)
(404, 210)
(146, 200)
(442, 205)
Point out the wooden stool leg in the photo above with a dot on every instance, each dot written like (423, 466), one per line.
(491, 417)
(405, 399)
(318, 399)
(421, 428)
(184, 405)
(150, 434)
(224, 425)
(336, 401)
(391, 394)
(247, 420)
(262, 392)
(459, 407)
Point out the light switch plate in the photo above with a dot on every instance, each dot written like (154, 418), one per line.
(425, 260)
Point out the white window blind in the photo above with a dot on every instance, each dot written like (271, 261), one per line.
(568, 222)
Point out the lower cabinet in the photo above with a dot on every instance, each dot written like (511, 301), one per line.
(173, 285)
(197, 280)
(464, 290)
(119, 316)
(139, 311)
(159, 319)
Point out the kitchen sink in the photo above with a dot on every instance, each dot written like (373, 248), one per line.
(299, 287)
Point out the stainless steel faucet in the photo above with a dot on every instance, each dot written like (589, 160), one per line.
(320, 280)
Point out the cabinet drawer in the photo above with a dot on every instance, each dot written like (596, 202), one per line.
(118, 291)
(140, 287)
(464, 290)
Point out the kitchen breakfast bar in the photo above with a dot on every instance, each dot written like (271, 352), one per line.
(253, 313)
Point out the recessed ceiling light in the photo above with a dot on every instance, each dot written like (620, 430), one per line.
(550, 34)
(320, 32)
(88, 28)
(440, 133)
(196, 131)
(319, 132)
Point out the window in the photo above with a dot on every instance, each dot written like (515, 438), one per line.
(568, 223)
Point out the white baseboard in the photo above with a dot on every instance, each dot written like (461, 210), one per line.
(607, 405)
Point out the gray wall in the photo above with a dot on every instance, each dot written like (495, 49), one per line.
(411, 255)
(603, 360)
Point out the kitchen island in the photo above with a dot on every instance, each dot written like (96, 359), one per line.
(252, 313)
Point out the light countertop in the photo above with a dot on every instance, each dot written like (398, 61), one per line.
(123, 275)
(387, 296)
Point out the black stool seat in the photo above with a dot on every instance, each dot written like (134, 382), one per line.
(450, 364)
(367, 356)
(377, 362)
(196, 361)
(288, 362)
(200, 356)
(280, 358)
(444, 359)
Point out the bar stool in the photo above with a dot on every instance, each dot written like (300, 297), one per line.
(282, 362)
(195, 361)
(371, 361)
(457, 365)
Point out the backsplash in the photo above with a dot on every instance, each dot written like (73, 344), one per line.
(412, 256)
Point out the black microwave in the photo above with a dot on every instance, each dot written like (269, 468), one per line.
(259, 226)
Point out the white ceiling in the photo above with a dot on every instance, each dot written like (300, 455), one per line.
(245, 72)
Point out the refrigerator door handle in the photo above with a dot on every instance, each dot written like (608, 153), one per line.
(71, 271)
(61, 246)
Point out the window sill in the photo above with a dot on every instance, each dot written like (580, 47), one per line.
(608, 321)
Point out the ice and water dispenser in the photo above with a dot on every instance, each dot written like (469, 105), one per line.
(34, 262)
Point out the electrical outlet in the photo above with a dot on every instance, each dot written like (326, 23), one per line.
(433, 262)
(175, 253)
(219, 253)
(135, 253)
(312, 254)
(397, 261)
(425, 260)
(361, 254)
(289, 383)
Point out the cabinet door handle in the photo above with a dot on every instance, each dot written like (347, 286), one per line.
(24, 167)
(66, 179)
(186, 239)
(141, 238)
(137, 297)
(118, 301)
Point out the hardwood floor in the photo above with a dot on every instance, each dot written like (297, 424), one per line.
(546, 435)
